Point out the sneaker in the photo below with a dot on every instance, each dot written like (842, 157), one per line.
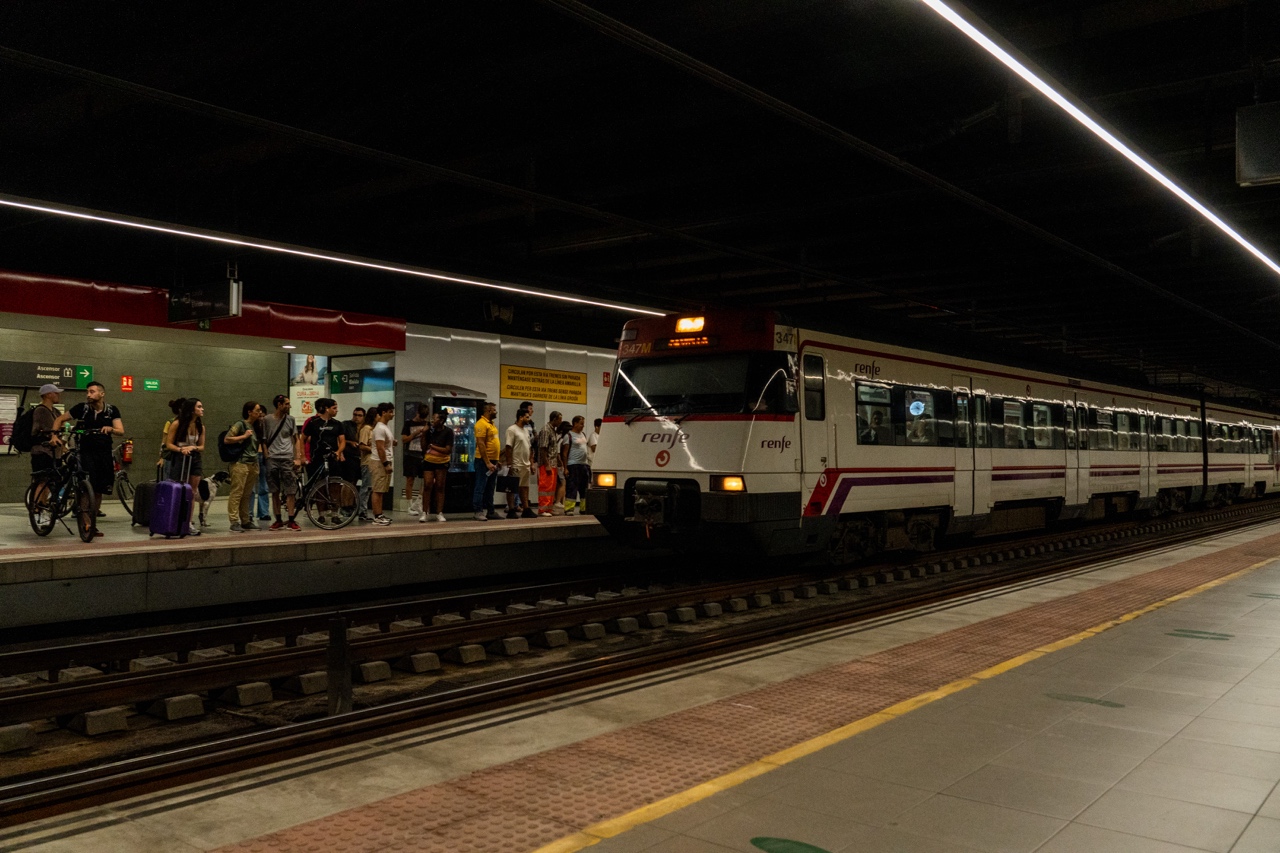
(557, 509)
(249, 525)
(512, 513)
(97, 532)
(492, 515)
(422, 519)
(440, 516)
(415, 506)
(381, 519)
(528, 513)
(264, 518)
(480, 516)
(194, 531)
(277, 525)
(236, 528)
(364, 516)
(292, 525)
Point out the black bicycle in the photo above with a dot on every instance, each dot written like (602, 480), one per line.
(61, 490)
(329, 501)
(124, 487)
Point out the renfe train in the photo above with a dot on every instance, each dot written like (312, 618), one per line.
(734, 430)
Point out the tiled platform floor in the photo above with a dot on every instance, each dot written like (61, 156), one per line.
(1031, 721)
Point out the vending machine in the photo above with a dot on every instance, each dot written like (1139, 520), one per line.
(461, 407)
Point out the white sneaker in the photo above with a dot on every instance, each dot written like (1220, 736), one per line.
(422, 519)
(481, 516)
(440, 516)
(415, 506)
(381, 519)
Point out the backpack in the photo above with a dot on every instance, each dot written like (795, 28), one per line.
(22, 439)
(230, 453)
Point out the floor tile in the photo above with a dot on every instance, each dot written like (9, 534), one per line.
(1025, 790)
(1197, 785)
(1243, 712)
(980, 825)
(641, 839)
(1106, 738)
(1163, 819)
(1255, 763)
(735, 828)
(1262, 835)
(887, 839)
(1159, 700)
(1248, 735)
(862, 799)
(1058, 758)
(1079, 838)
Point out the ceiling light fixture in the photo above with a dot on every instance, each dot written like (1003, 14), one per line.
(974, 28)
(287, 346)
(101, 329)
(298, 251)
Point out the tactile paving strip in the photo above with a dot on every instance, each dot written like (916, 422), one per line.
(528, 803)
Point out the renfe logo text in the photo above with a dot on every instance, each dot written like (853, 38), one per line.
(664, 438)
(778, 444)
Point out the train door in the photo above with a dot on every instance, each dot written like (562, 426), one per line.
(1275, 458)
(1084, 486)
(1072, 436)
(815, 443)
(965, 451)
(1146, 467)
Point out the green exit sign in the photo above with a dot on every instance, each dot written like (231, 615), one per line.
(84, 375)
(151, 385)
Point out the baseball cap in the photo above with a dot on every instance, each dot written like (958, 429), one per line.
(49, 388)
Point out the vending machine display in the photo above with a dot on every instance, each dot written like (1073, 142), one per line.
(462, 420)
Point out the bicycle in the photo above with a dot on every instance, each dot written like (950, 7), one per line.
(124, 487)
(330, 502)
(63, 489)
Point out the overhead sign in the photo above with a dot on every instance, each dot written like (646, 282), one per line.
(358, 381)
(32, 374)
(543, 385)
(193, 303)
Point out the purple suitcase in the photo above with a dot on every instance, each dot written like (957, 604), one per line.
(171, 508)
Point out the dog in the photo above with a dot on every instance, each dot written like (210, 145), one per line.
(209, 488)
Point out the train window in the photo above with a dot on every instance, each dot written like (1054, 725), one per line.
(815, 389)
(1103, 430)
(732, 383)
(1014, 434)
(964, 427)
(981, 422)
(1123, 437)
(1193, 436)
(1144, 430)
(1041, 426)
(875, 425)
(1070, 418)
(920, 418)
(1164, 437)
(1180, 436)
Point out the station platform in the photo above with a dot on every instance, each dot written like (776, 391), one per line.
(1130, 706)
(58, 578)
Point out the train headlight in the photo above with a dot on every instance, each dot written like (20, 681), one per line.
(606, 481)
(690, 324)
(728, 483)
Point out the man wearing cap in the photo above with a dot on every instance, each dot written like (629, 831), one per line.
(283, 453)
(42, 419)
(99, 420)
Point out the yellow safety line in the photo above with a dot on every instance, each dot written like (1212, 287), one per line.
(598, 832)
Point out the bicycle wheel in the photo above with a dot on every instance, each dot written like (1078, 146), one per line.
(85, 515)
(124, 491)
(332, 504)
(40, 515)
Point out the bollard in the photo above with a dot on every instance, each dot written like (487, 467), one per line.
(340, 696)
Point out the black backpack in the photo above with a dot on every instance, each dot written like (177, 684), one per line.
(230, 453)
(22, 439)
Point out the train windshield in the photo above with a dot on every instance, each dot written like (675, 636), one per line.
(734, 383)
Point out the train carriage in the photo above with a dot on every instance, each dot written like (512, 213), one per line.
(734, 430)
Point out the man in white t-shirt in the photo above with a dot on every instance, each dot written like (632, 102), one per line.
(517, 458)
(592, 441)
(381, 460)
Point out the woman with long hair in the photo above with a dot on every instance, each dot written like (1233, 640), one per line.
(186, 441)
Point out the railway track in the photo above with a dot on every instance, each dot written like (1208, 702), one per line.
(766, 609)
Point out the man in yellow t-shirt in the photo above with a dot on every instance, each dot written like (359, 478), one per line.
(486, 465)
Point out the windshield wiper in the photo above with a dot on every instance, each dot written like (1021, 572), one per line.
(639, 413)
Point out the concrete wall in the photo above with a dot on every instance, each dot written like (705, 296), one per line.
(222, 378)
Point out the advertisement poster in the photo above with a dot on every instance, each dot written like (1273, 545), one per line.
(8, 414)
(308, 375)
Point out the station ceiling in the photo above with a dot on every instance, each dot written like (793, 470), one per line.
(857, 164)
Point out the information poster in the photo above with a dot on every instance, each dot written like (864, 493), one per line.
(543, 385)
(8, 414)
(308, 375)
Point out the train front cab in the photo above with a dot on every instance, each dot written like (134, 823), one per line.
(700, 447)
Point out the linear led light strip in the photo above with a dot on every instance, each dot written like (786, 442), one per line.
(1015, 65)
(285, 249)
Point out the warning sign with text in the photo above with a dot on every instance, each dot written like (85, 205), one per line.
(543, 385)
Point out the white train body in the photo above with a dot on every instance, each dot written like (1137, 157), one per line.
(749, 434)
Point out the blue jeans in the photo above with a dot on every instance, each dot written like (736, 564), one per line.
(262, 492)
(366, 487)
(482, 497)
